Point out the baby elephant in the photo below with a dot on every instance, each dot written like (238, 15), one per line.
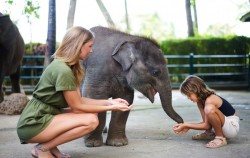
(120, 63)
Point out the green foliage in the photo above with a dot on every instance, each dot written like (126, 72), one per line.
(9, 2)
(207, 45)
(234, 45)
(31, 9)
(152, 26)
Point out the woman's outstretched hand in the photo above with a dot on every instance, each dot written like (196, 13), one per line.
(118, 100)
(120, 105)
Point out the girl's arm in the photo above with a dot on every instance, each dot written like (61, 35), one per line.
(79, 105)
(201, 109)
(184, 127)
(196, 126)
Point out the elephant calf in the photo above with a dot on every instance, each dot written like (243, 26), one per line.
(120, 63)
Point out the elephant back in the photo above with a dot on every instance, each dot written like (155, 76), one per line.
(11, 44)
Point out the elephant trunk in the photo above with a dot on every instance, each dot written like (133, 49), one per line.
(165, 93)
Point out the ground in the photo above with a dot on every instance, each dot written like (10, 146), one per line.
(150, 134)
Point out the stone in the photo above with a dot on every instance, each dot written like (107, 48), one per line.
(13, 104)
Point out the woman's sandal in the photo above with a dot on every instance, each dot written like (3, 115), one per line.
(63, 155)
(204, 136)
(217, 142)
(36, 148)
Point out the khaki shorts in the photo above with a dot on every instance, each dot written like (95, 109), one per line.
(231, 126)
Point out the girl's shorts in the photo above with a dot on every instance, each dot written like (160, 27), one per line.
(231, 126)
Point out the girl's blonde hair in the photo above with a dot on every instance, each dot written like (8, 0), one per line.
(70, 49)
(194, 84)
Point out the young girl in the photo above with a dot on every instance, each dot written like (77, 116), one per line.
(219, 117)
(45, 120)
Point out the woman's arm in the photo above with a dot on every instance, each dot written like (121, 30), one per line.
(91, 101)
(101, 101)
(78, 105)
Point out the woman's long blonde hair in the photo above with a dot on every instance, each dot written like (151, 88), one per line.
(194, 84)
(70, 49)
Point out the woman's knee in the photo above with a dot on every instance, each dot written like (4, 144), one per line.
(92, 121)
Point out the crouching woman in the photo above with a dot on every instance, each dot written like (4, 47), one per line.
(57, 113)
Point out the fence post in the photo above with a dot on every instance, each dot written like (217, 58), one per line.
(191, 63)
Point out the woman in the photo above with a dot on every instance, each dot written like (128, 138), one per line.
(45, 120)
(219, 117)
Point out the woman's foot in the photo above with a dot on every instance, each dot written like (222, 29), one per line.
(204, 136)
(217, 142)
(39, 151)
(56, 152)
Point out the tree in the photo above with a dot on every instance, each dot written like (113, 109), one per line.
(126, 16)
(105, 14)
(71, 13)
(189, 19)
(30, 10)
(193, 4)
(51, 36)
(152, 22)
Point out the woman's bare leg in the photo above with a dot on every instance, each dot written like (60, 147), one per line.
(64, 128)
(216, 118)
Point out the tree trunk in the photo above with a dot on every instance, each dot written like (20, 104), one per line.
(51, 36)
(195, 16)
(71, 13)
(105, 14)
(126, 16)
(189, 19)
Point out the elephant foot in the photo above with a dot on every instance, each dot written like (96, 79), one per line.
(117, 141)
(93, 141)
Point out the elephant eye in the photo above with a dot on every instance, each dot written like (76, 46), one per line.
(156, 73)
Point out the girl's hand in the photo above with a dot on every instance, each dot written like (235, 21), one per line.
(180, 128)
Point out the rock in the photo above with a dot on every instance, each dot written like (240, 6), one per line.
(13, 103)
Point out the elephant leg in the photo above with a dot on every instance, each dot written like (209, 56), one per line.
(2, 74)
(1, 89)
(117, 126)
(116, 131)
(95, 139)
(15, 77)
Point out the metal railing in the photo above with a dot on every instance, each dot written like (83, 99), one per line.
(243, 77)
(192, 64)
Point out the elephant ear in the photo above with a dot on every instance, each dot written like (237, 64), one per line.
(123, 54)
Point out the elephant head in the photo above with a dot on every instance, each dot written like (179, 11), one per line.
(146, 70)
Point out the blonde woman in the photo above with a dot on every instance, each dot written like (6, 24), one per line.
(219, 117)
(57, 113)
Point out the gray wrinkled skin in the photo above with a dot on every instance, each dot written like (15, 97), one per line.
(11, 53)
(119, 64)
